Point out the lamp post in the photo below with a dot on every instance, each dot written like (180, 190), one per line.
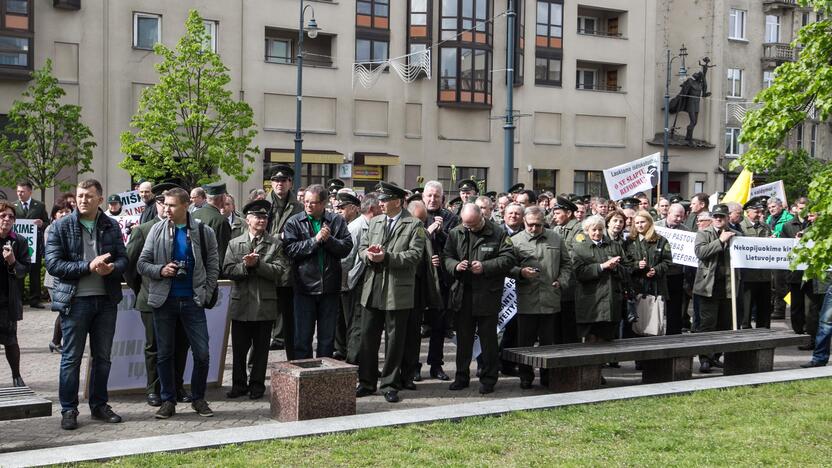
(508, 126)
(683, 52)
(312, 30)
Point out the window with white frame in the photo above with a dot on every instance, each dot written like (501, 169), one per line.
(211, 28)
(587, 25)
(279, 50)
(586, 78)
(734, 82)
(732, 142)
(768, 78)
(736, 24)
(147, 30)
(772, 28)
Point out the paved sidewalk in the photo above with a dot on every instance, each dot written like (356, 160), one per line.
(40, 371)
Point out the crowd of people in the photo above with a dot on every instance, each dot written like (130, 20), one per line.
(324, 271)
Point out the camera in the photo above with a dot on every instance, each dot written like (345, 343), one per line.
(181, 269)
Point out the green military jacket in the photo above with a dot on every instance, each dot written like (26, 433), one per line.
(568, 232)
(254, 290)
(659, 257)
(211, 216)
(135, 244)
(750, 230)
(37, 210)
(548, 253)
(494, 249)
(714, 260)
(281, 212)
(390, 285)
(599, 294)
(238, 226)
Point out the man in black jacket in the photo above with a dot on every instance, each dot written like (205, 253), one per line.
(27, 207)
(316, 241)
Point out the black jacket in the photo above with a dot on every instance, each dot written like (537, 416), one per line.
(300, 246)
(14, 311)
(439, 237)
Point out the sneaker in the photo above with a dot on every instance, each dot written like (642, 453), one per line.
(106, 414)
(69, 420)
(201, 407)
(167, 410)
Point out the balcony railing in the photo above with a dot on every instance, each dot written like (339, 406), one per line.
(779, 52)
(771, 5)
(598, 87)
(596, 32)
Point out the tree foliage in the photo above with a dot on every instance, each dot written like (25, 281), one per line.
(189, 126)
(798, 87)
(44, 136)
(793, 168)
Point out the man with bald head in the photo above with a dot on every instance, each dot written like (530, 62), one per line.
(676, 298)
(478, 255)
(146, 194)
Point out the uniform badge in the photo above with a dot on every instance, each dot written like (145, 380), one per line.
(579, 237)
(508, 241)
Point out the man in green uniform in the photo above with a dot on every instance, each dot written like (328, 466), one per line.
(479, 255)
(211, 216)
(756, 284)
(565, 225)
(391, 249)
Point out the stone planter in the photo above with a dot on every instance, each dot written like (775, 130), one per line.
(312, 389)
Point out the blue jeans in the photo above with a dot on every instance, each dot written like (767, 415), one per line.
(96, 316)
(824, 336)
(321, 309)
(196, 329)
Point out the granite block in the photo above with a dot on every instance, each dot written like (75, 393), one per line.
(312, 388)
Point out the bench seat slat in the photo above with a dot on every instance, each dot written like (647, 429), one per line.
(21, 403)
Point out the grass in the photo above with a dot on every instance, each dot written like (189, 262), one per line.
(772, 425)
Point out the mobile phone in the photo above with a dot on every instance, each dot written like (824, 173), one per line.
(535, 269)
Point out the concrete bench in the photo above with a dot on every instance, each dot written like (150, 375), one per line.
(22, 403)
(577, 366)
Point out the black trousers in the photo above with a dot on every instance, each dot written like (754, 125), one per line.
(283, 330)
(180, 355)
(438, 327)
(468, 325)
(531, 328)
(509, 340)
(412, 345)
(675, 303)
(394, 324)
(565, 327)
(715, 314)
(779, 288)
(799, 291)
(756, 295)
(254, 335)
(342, 326)
(813, 303)
(354, 330)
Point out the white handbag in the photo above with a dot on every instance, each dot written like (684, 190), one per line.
(651, 316)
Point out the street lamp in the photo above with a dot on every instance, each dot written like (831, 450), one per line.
(312, 30)
(683, 52)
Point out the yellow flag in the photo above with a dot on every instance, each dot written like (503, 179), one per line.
(788, 298)
(739, 191)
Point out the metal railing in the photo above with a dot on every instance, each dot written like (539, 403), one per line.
(780, 52)
(598, 87)
(597, 32)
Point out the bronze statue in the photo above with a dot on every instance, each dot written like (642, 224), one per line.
(693, 89)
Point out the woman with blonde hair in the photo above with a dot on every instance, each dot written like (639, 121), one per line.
(651, 257)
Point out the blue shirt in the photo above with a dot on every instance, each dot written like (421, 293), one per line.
(182, 251)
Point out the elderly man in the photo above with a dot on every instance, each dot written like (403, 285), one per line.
(284, 206)
(479, 255)
(370, 208)
(238, 226)
(778, 217)
(677, 300)
(713, 278)
(513, 219)
(392, 249)
(486, 206)
(212, 217)
(544, 268)
(316, 240)
(756, 284)
(146, 194)
(502, 202)
(198, 199)
(348, 206)
(735, 217)
(662, 208)
(254, 262)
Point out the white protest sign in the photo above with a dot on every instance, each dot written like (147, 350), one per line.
(633, 177)
(762, 253)
(508, 310)
(131, 203)
(124, 224)
(681, 245)
(26, 229)
(128, 371)
(774, 189)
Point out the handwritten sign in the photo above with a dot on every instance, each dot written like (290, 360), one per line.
(681, 245)
(131, 203)
(633, 177)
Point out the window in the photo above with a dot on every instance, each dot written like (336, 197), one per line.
(734, 82)
(544, 179)
(736, 24)
(732, 142)
(371, 50)
(547, 71)
(466, 55)
(372, 32)
(462, 173)
(768, 78)
(211, 28)
(549, 30)
(772, 28)
(419, 25)
(20, 7)
(14, 51)
(587, 25)
(147, 30)
(590, 183)
(799, 135)
(804, 19)
(813, 139)
(586, 78)
(372, 14)
(279, 50)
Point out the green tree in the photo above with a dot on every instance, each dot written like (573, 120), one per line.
(44, 136)
(792, 168)
(798, 87)
(189, 127)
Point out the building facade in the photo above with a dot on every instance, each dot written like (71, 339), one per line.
(589, 81)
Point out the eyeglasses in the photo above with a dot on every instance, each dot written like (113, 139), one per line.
(704, 220)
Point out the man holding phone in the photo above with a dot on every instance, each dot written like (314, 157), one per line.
(87, 257)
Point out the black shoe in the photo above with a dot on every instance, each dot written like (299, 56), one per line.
(417, 373)
(69, 420)
(809, 346)
(436, 372)
(236, 392)
(409, 385)
(457, 385)
(778, 316)
(18, 382)
(717, 364)
(167, 410)
(392, 396)
(153, 399)
(106, 414)
(603, 380)
(256, 395)
(509, 371)
(485, 389)
(613, 365)
(55, 348)
(276, 345)
(184, 397)
(339, 356)
(479, 372)
(813, 364)
(37, 305)
(201, 407)
(449, 334)
(705, 367)
(425, 332)
(361, 392)
(526, 384)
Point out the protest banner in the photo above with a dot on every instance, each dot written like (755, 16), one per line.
(681, 245)
(128, 373)
(633, 177)
(26, 229)
(774, 189)
(125, 223)
(508, 310)
(762, 253)
(131, 203)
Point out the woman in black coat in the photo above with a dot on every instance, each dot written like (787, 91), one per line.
(15, 266)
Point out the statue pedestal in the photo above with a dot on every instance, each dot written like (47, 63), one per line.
(678, 141)
(312, 389)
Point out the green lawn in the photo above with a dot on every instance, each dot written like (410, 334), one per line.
(772, 425)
